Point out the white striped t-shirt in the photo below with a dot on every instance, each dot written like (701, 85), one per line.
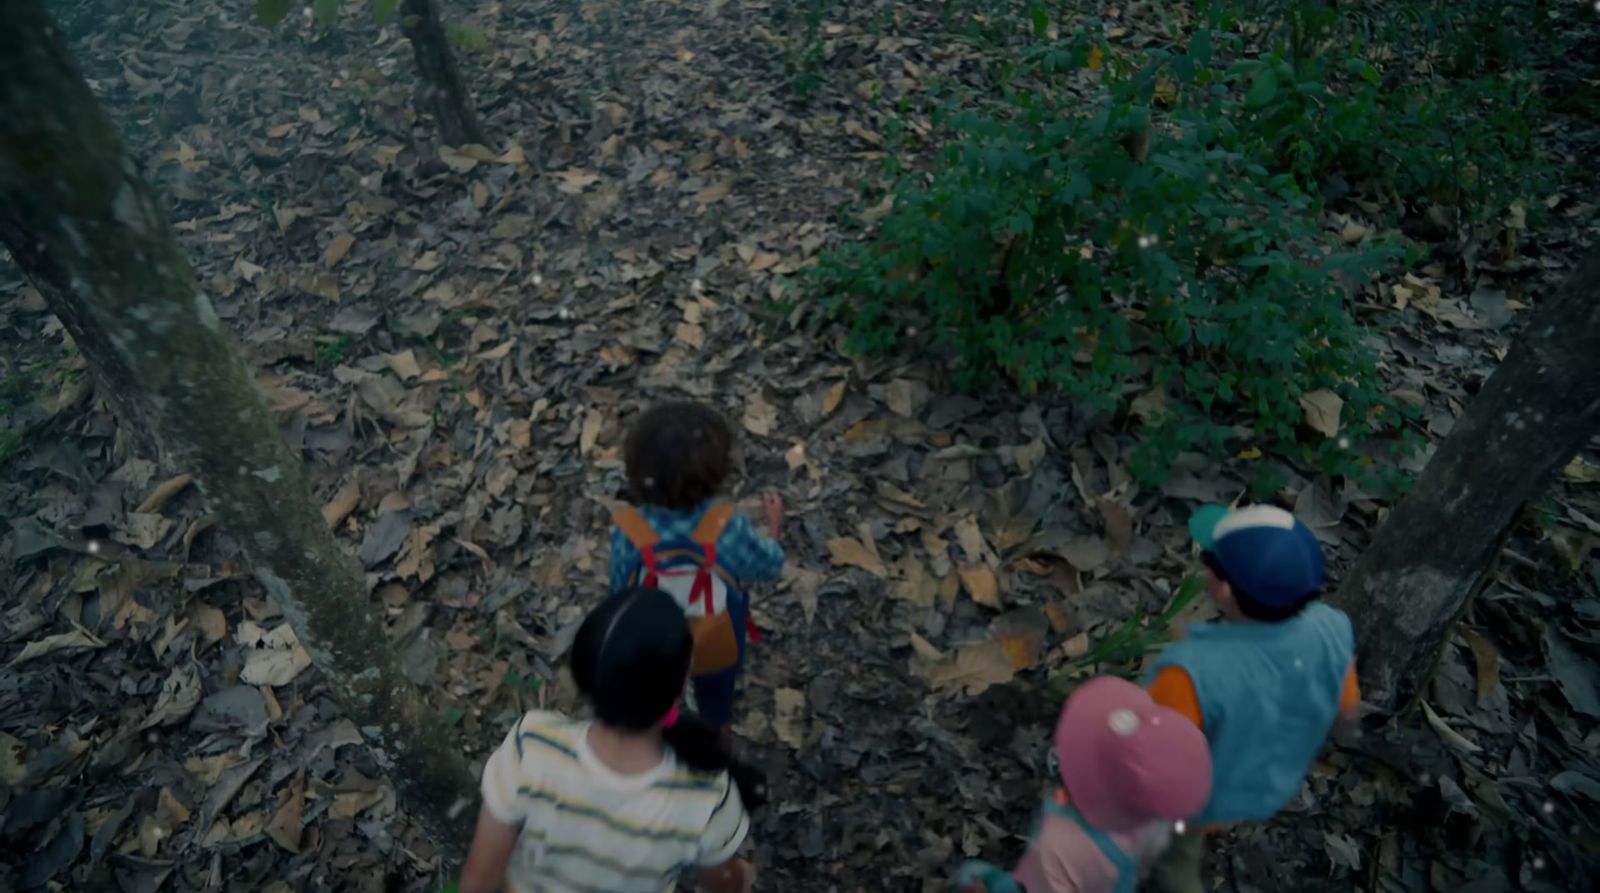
(589, 829)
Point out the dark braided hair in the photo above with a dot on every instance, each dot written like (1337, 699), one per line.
(630, 659)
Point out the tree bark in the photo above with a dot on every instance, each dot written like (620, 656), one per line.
(89, 234)
(1533, 415)
(443, 92)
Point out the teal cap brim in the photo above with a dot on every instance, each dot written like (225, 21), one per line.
(1203, 523)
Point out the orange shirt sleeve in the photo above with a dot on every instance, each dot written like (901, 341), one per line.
(1350, 697)
(1173, 688)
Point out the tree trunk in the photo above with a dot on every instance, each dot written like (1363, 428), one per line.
(1533, 415)
(88, 232)
(443, 92)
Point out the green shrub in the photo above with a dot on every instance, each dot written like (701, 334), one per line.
(333, 351)
(1423, 131)
(1049, 246)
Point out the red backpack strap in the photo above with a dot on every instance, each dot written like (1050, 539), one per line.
(706, 534)
(633, 525)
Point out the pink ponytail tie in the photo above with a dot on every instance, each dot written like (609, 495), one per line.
(671, 719)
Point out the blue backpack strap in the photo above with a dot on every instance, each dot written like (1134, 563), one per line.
(1127, 869)
(993, 878)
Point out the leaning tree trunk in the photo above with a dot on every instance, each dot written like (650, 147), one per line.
(87, 231)
(443, 92)
(1534, 413)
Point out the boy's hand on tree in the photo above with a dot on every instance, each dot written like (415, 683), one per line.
(772, 505)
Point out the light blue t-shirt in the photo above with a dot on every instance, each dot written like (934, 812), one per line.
(1269, 695)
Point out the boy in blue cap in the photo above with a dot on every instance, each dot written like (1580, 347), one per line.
(1266, 683)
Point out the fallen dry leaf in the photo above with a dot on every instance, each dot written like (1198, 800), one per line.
(982, 584)
(759, 415)
(212, 623)
(1321, 409)
(850, 552)
(271, 657)
(1450, 736)
(143, 529)
(788, 720)
(912, 582)
(831, 399)
(1075, 647)
(574, 181)
(179, 695)
(903, 397)
(925, 650)
(1028, 455)
(805, 584)
(1581, 472)
(456, 160)
(417, 556)
(68, 641)
(343, 503)
(288, 821)
(207, 770)
(172, 806)
(973, 544)
(1150, 406)
(163, 492)
(403, 364)
(338, 247)
(352, 803)
(713, 193)
(1487, 660)
(591, 431)
(795, 456)
(974, 669)
(1021, 650)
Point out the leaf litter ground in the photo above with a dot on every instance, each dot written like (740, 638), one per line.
(456, 340)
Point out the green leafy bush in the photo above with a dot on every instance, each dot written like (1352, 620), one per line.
(1427, 131)
(1104, 254)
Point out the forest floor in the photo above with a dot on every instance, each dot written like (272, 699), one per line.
(457, 339)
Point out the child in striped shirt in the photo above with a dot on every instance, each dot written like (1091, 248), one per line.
(626, 802)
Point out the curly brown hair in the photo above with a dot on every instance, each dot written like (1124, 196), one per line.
(678, 455)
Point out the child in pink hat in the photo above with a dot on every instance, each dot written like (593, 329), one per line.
(1129, 770)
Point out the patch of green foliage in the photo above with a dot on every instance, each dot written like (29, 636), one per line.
(805, 50)
(10, 445)
(271, 12)
(1101, 253)
(468, 37)
(1122, 650)
(1431, 131)
(334, 351)
(1161, 250)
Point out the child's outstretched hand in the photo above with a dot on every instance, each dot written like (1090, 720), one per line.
(772, 505)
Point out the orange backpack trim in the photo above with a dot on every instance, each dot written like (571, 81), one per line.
(711, 525)
(633, 525)
(715, 646)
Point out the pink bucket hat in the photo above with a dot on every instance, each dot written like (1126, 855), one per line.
(1127, 761)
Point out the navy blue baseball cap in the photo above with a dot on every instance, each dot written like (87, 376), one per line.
(1263, 550)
